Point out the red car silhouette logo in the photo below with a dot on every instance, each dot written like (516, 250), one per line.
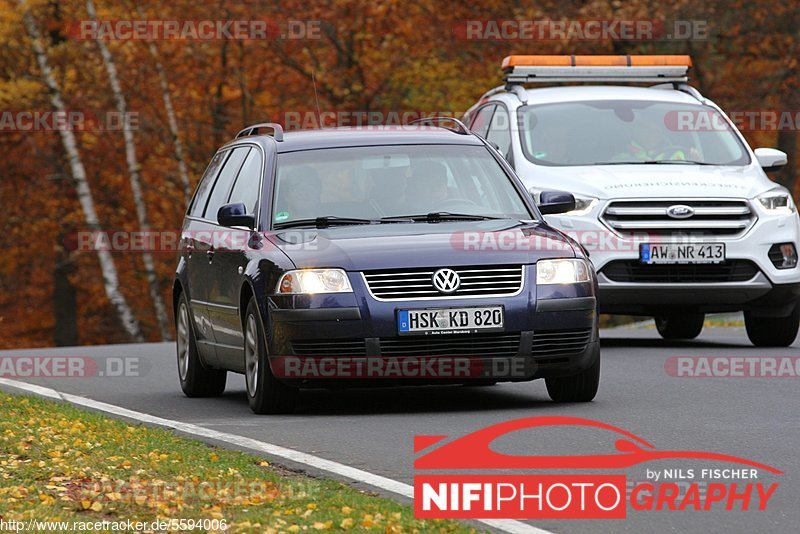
(473, 451)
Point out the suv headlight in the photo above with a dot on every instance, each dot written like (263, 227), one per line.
(310, 281)
(562, 271)
(777, 202)
(583, 205)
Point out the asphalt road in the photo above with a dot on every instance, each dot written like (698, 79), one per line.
(756, 418)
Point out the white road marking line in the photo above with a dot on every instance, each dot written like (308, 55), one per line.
(358, 475)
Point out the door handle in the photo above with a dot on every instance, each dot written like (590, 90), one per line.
(210, 254)
(187, 245)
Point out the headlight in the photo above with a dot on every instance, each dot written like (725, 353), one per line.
(583, 205)
(566, 271)
(777, 202)
(309, 281)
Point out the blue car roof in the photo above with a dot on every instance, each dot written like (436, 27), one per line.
(365, 136)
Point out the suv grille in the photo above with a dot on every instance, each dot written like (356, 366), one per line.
(488, 345)
(635, 271)
(477, 281)
(727, 218)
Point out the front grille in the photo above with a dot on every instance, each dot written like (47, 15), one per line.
(558, 342)
(476, 281)
(488, 345)
(330, 347)
(636, 271)
(724, 218)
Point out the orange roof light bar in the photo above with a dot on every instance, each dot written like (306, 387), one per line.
(596, 61)
(667, 68)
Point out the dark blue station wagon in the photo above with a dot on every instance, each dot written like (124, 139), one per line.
(377, 255)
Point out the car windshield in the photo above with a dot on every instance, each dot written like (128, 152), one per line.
(365, 184)
(616, 132)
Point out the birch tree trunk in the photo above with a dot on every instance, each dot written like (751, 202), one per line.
(171, 119)
(84, 192)
(135, 179)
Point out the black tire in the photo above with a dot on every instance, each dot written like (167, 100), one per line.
(772, 331)
(581, 387)
(265, 394)
(196, 379)
(686, 326)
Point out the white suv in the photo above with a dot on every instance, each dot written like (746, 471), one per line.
(674, 208)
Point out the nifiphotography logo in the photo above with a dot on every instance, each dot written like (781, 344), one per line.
(484, 489)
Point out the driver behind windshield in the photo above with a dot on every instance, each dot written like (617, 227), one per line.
(427, 187)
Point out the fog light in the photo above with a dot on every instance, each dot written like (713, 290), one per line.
(783, 255)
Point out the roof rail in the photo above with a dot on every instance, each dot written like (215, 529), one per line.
(631, 69)
(277, 130)
(508, 88)
(683, 88)
(460, 128)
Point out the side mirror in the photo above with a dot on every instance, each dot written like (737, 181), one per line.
(508, 157)
(235, 215)
(770, 159)
(551, 202)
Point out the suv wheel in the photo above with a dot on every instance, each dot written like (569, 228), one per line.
(264, 393)
(577, 388)
(772, 331)
(686, 326)
(196, 379)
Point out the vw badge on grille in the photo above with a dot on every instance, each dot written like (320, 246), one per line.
(446, 280)
(680, 211)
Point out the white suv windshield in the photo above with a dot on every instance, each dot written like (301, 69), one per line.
(393, 181)
(610, 132)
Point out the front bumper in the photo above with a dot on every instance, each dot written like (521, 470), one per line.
(549, 331)
(767, 290)
(757, 294)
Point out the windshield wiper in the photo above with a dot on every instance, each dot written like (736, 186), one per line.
(678, 162)
(436, 216)
(333, 220)
(324, 222)
(655, 162)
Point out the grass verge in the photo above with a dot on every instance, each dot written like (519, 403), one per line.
(59, 463)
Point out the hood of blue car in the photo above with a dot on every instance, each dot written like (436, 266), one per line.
(447, 244)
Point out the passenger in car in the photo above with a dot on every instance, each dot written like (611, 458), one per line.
(649, 144)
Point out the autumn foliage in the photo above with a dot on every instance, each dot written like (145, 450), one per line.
(385, 56)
